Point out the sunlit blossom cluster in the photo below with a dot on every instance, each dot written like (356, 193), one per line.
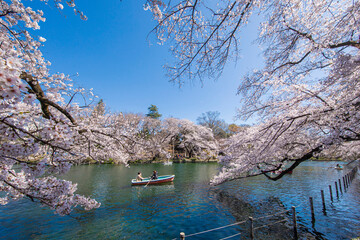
(36, 125)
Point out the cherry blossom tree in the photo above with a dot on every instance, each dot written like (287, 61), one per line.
(38, 127)
(145, 138)
(197, 141)
(44, 130)
(100, 137)
(306, 96)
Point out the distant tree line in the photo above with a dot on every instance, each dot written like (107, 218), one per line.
(220, 128)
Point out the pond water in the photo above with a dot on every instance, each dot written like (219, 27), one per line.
(190, 205)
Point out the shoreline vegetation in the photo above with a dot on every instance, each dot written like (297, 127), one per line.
(213, 159)
(186, 160)
(156, 160)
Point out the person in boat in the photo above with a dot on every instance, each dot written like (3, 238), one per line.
(154, 175)
(338, 166)
(139, 178)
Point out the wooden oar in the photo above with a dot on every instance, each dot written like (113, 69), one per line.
(148, 182)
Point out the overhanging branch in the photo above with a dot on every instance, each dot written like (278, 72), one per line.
(44, 101)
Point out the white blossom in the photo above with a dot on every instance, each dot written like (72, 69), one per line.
(41, 39)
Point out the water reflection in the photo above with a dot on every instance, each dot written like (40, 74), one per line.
(189, 204)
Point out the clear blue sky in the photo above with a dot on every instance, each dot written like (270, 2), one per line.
(112, 54)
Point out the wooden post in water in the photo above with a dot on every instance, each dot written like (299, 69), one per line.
(323, 201)
(344, 184)
(251, 228)
(312, 209)
(337, 191)
(340, 186)
(182, 236)
(354, 172)
(331, 197)
(294, 223)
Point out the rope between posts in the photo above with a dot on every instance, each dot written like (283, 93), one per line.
(230, 236)
(353, 171)
(214, 229)
(300, 204)
(284, 220)
(237, 223)
(275, 214)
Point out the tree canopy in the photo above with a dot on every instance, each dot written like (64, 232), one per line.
(306, 96)
(41, 128)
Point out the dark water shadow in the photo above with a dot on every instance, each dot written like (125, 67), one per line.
(271, 219)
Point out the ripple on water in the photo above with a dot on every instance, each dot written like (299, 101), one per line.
(190, 205)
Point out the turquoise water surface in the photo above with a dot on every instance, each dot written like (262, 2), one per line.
(190, 205)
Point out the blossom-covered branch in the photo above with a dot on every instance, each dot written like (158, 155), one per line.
(306, 96)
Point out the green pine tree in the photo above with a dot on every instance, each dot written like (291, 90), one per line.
(153, 112)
